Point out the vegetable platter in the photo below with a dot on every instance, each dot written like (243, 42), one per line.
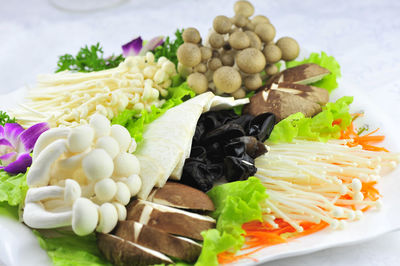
(107, 186)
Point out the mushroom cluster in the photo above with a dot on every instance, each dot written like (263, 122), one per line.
(82, 177)
(237, 56)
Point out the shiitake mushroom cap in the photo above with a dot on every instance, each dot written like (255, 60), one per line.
(289, 47)
(250, 60)
(189, 54)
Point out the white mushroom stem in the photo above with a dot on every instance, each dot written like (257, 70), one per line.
(39, 173)
(48, 137)
(36, 216)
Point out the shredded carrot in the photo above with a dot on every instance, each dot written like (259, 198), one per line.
(337, 122)
(365, 140)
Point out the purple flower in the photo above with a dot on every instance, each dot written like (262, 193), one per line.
(16, 144)
(135, 47)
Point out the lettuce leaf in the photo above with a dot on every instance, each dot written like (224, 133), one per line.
(13, 189)
(329, 82)
(69, 249)
(320, 127)
(235, 204)
(135, 121)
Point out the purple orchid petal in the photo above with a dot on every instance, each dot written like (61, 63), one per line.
(12, 132)
(20, 165)
(1, 131)
(29, 137)
(5, 142)
(7, 158)
(152, 44)
(133, 47)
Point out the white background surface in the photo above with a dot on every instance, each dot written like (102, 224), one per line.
(364, 36)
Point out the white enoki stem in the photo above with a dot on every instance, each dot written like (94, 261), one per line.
(305, 180)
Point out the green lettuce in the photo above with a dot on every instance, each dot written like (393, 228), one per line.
(329, 82)
(13, 189)
(320, 127)
(235, 204)
(135, 121)
(68, 249)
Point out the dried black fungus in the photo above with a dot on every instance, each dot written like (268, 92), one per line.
(225, 146)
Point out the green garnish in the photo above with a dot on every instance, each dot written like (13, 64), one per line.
(169, 48)
(5, 118)
(88, 60)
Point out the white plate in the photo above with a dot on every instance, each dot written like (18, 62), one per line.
(373, 223)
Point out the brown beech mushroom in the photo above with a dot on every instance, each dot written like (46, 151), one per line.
(239, 40)
(197, 82)
(214, 64)
(150, 237)
(184, 71)
(244, 8)
(311, 93)
(170, 220)
(216, 40)
(260, 19)
(253, 82)
(265, 31)
(239, 21)
(122, 252)
(206, 53)
(281, 104)
(191, 35)
(227, 79)
(202, 68)
(289, 47)
(272, 53)
(250, 61)
(302, 74)
(271, 69)
(227, 59)
(177, 195)
(239, 94)
(189, 54)
(255, 41)
(222, 24)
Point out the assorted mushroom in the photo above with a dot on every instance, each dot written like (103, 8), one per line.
(238, 54)
(82, 177)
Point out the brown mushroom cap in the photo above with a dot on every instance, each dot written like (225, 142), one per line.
(249, 26)
(253, 82)
(272, 53)
(239, 94)
(239, 20)
(289, 47)
(265, 31)
(184, 71)
(239, 40)
(222, 24)
(244, 8)
(227, 79)
(206, 53)
(191, 35)
(189, 54)
(227, 59)
(216, 40)
(214, 64)
(250, 60)
(255, 41)
(198, 82)
(271, 69)
(260, 19)
(202, 68)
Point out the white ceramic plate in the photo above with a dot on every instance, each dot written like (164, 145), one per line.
(19, 241)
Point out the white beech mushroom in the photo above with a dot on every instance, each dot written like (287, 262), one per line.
(90, 166)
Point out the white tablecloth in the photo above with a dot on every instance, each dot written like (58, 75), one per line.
(364, 36)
